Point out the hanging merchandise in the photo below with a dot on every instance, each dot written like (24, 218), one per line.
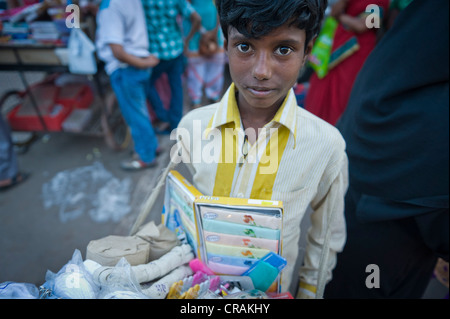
(81, 53)
(320, 55)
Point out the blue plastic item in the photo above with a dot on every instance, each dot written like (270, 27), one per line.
(266, 270)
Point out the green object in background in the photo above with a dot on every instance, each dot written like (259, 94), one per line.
(399, 4)
(321, 52)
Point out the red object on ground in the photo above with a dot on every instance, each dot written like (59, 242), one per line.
(54, 103)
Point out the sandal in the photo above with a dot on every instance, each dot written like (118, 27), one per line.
(20, 177)
(136, 165)
(161, 128)
(159, 150)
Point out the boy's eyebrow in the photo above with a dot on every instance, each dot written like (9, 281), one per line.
(290, 42)
(236, 36)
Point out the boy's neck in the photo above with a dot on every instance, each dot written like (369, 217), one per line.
(256, 118)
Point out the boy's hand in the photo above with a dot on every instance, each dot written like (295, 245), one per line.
(138, 62)
(338, 8)
(150, 62)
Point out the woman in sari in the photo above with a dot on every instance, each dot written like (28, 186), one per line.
(355, 37)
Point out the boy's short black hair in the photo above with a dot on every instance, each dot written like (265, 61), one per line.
(256, 18)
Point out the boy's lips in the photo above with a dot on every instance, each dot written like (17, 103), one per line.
(260, 91)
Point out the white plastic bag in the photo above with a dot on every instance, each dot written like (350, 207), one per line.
(120, 283)
(81, 53)
(73, 281)
(14, 290)
(91, 189)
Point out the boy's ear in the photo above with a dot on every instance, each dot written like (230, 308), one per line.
(310, 46)
(308, 50)
(225, 45)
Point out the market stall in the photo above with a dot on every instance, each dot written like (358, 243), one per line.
(175, 259)
(35, 38)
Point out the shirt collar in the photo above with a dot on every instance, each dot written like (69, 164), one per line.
(228, 112)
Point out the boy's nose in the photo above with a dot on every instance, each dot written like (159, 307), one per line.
(262, 69)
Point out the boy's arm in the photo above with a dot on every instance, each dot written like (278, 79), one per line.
(138, 62)
(329, 202)
(354, 24)
(211, 34)
(188, 12)
(196, 22)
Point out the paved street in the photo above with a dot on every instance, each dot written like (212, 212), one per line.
(60, 208)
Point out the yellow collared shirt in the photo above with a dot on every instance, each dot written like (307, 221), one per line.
(297, 158)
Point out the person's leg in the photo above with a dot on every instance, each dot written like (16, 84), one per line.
(129, 87)
(153, 94)
(8, 159)
(214, 77)
(174, 72)
(195, 76)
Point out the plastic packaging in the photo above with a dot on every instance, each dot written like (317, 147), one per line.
(112, 201)
(242, 282)
(179, 255)
(175, 290)
(193, 287)
(73, 281)
(320, 55)
(266, 270)
(197, 265)
(121, 283)
(89, 189)
(160, 289)
(14, 290)
(252, 294)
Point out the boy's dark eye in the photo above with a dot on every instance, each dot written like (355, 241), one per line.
(283, 50)
(243, 47)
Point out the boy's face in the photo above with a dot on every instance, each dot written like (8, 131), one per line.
(265, 69)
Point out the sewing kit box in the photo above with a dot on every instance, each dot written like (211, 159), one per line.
(228, 234)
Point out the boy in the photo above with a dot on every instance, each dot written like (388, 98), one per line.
(205, 71)
(269, 148)
(167, 43)
(122, 43)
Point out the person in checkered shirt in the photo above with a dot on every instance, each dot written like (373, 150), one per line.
(167, 43)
